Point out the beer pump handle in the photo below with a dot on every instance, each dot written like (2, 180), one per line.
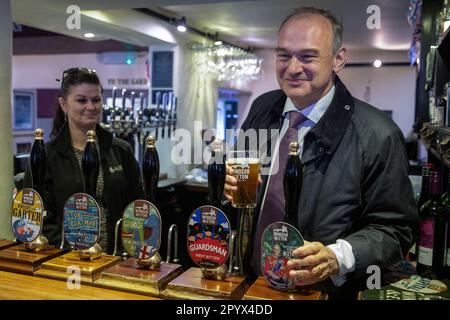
(216, 174)
(90, 164)
(150, 169)
(116, 236)
(38, 161)
(63, 240)
(292, 184)
(173, 234)
(232, 245)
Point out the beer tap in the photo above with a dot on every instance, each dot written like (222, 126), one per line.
(108, 110)
(141, 119)
(125, 113)
(156, 114)
(133, 109)
(116, 109)
(169, 115)
(117, 115)
(114, 95)
(146, 114)
(164, 113)
(174, 114)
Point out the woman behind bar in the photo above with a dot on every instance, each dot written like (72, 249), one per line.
(78, 110)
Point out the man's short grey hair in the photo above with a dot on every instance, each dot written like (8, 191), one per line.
(336, 24)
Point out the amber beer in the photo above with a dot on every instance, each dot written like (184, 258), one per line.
(245, 165)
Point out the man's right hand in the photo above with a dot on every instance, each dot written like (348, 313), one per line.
(230, 184)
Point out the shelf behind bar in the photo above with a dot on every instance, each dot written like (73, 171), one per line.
(443, 131)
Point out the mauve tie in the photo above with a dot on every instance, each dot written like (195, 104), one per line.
(273, 209)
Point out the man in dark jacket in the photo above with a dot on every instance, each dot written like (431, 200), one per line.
(356, 204)
(122, 180)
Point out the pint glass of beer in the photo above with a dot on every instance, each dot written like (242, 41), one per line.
(245, 165)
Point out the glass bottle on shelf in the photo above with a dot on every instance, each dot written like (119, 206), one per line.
(431, 251)
(446, 215)
(421, 199)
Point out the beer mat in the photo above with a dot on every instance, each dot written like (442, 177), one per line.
(141, 229)
(398, 271)
(279, 240)
(81, 221)
(412, 288)
(27, 215)
(208, 237)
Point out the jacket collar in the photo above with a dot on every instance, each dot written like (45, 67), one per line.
(63, 142)
(331, 127)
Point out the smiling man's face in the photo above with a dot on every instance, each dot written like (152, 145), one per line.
(305, 61)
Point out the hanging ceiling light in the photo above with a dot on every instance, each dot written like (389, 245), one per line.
(226, 62)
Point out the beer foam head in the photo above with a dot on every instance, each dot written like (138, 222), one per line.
(243, 161)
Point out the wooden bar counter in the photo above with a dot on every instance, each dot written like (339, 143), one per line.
(6, 243)
(192, 286)
(14, 286)
(261, 290)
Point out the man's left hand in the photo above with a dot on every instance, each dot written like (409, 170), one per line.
(313, 262)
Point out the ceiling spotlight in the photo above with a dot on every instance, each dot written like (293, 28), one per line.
(89, 35)
(182, 25)
(217, 42)
(377, 63)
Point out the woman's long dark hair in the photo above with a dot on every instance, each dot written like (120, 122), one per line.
(71, 77)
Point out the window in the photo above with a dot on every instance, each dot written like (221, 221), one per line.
(23, 110)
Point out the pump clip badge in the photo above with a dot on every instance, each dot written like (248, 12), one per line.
(27, 215)
(81, 221)
(277, 243)
(208, 237)
(141, 229)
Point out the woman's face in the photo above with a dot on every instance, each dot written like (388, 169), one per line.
(83, 105)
